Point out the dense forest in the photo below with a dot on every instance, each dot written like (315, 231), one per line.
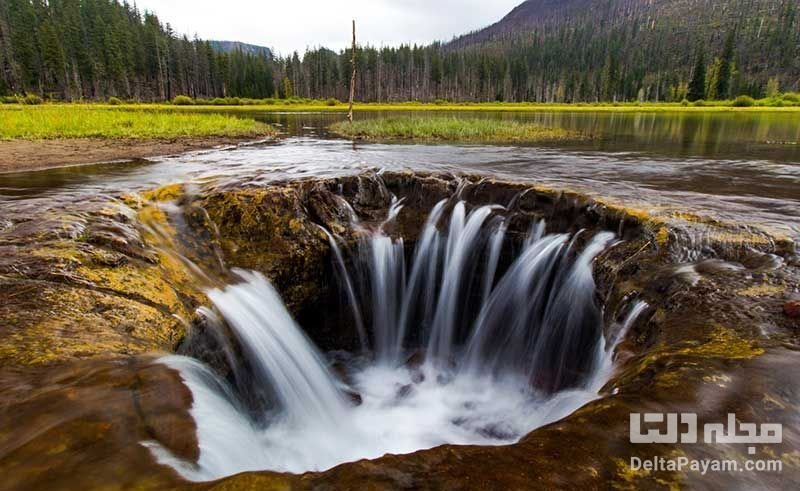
(544, 50)
(94, 49)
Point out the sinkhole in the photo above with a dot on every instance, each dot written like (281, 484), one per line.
(477, 329)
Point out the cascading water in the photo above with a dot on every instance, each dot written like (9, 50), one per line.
(480, 340)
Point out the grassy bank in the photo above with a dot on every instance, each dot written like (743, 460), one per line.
(785, 103)
(455, 107)
(52, 121)
(450, 129)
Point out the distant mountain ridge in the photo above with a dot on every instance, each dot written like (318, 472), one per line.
(248, 49)
(645, 49)
(526, 15)
(685, 17)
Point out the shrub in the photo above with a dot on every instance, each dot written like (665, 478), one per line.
(699, 103)
(744, 101)
(9, 99)
(233, 101)
(32, 99)
(331, 101)
(685, 102)
(182, 100)
(269, 102)
(114, 101)
(792, 97)
(440, 102)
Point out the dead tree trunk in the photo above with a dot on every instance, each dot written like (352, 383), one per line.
(353, 76)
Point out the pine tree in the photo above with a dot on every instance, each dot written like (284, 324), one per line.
(697, 85)
(726, 62)
(288, 91)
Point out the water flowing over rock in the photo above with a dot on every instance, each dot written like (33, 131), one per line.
(449, 397)
(674, 313)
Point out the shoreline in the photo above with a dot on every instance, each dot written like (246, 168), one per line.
(463, 107)
(21, 155)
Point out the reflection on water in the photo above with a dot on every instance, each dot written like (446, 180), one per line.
(716, 164)
(729, 135)
(24, 184)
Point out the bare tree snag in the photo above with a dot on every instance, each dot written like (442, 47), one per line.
(353, 76)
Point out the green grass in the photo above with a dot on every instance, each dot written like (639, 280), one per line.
(451, 129)
(102, 121)
(785, 103)
(278, 105)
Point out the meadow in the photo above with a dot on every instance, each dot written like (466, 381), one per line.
(50, 121)
(450, 128)
(313, 105)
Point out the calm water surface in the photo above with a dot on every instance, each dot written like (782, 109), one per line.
(743, 167)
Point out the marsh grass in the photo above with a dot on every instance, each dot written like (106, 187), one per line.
(784, 103)
(451, 129)
(96, 121)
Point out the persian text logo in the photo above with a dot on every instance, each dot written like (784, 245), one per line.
(733, 432)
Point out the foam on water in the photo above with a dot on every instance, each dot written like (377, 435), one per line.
(466, 410)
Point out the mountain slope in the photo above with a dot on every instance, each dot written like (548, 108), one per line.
(692, 17)
(619, 48)
(248, 49)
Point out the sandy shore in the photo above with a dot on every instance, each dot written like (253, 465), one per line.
(26, 155)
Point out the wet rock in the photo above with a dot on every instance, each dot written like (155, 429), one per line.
(353, 396)
(497, 432)
(84, 422)
(404, 391)
(792, 309)
(414, 364)
(415, 360)
(94, 287)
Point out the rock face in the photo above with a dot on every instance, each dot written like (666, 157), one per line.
(91, 292)
(80, 426)
(87, 284)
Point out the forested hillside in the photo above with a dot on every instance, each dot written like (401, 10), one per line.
(93, 49)
(544, 50)
(585, 50)
(642, 49)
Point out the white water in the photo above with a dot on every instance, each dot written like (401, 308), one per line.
(535, 325)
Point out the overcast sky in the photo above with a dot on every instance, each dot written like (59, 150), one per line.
(289, 25)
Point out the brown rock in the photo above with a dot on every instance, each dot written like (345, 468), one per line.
(792, 309)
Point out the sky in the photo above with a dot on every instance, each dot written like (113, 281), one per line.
(289, 25)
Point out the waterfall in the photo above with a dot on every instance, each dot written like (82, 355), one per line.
(484, 333)
(540, 318)
(280, 354)
(344, 277)
(461, 243)
(424, 264)
(498, 339)
(604, 358)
